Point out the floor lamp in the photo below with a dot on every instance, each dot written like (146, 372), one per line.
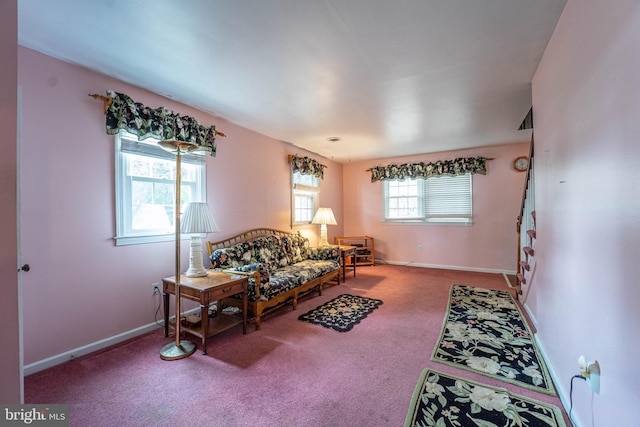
(180, 348)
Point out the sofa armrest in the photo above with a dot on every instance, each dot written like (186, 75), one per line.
(326, 253)
(257, 273)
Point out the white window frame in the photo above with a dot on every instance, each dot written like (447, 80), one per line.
(403, 200)
(435, 200)
(305, 198)
(127, 148)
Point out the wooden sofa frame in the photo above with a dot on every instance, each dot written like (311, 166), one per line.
(260, 307)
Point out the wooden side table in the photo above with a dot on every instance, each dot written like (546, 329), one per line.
(205, 290)
(365, 253)
(348, 251)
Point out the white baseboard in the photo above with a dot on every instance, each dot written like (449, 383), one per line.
(531, 316)
(562, 392)
(447, 267)
(58, 359)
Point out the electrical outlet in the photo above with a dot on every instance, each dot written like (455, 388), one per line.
(590, 371)
(155, 288)
(419, 248)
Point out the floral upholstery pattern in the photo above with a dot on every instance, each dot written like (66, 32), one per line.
(293, 275)
(161, 123)
(251, 268)
(283, 262)
(459, 166)
(298, 249)
(324, 253)
(266, 250)
(307, 166)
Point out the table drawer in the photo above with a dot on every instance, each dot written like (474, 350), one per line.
(226, 290)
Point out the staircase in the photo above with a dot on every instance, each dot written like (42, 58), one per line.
(526, 228)
(526, 263)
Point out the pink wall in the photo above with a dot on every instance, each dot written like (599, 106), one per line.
(489, 244)
(82, 288)
(10, 354)
(585, 293)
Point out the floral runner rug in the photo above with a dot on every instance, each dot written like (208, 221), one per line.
(484, 331)
(341, 313)
(444, 400)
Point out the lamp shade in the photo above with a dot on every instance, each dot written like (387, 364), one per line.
(324, 216)
(197, 218)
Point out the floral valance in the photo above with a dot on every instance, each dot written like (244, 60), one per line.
(458, 166)
(306, 166)
(162, 123)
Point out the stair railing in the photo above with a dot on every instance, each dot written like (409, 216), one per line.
(526, 226)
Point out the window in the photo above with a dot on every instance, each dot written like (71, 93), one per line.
(403, 199)
(304, 197)
(443, 199)
(145, 184)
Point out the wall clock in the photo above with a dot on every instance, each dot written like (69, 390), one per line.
(521, 163)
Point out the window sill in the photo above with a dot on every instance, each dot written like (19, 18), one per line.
(139, 240)
(420, 222)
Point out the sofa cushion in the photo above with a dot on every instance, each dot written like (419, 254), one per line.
(270, 251)
(233, 256)
(267, 250)
(297, 274)
(299, 248)
(274, 251)
(325, 253)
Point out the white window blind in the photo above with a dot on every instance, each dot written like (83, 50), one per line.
(149, 148)
(448, 198)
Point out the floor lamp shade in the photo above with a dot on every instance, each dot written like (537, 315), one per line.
(197, 219)
(323, 217)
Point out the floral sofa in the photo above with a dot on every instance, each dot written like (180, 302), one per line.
(281, 267)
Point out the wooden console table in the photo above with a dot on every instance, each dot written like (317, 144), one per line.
(205, 290)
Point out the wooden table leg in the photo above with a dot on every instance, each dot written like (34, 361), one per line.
(204, 323)
(245, 307)
(166, 313)
(344, 268)
(354, 258)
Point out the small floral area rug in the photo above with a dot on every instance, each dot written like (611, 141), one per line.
(341, 313)
(484, 331)
(442, 400)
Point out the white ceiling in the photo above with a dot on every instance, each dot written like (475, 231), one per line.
(389, 77)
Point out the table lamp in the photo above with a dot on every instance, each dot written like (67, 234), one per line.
(323, 217)
(197, 219)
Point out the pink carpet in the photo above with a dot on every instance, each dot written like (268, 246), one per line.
(290, 373)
